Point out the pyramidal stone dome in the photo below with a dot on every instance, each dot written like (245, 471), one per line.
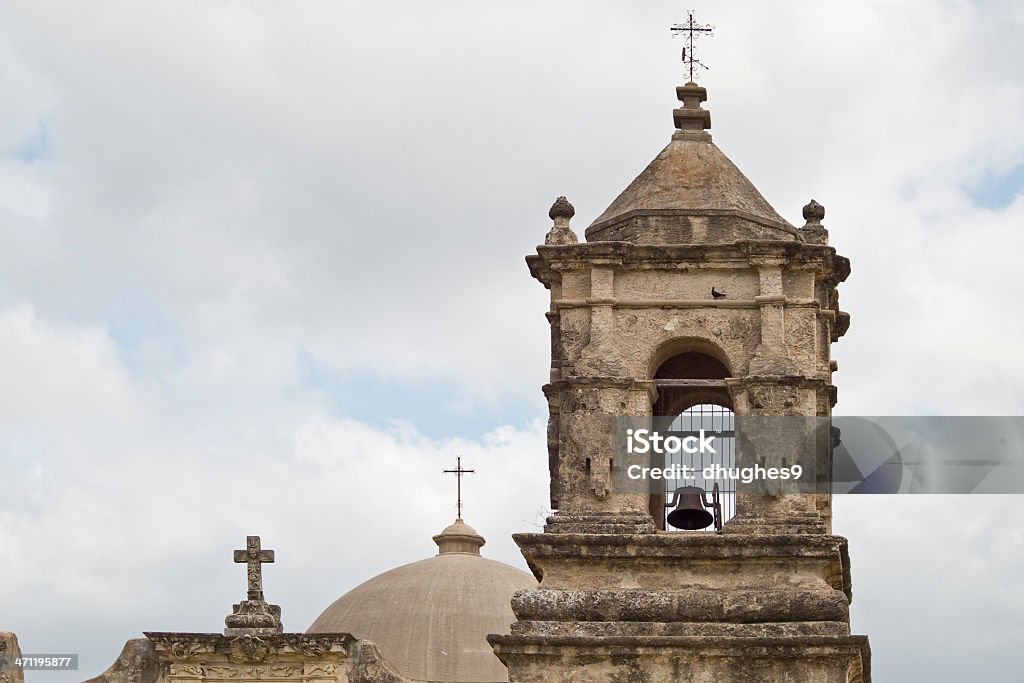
(430, 619)
(691, 193)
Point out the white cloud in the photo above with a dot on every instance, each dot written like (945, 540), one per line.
(59, 377)
(123, 506)
(228, 189)
(931, 572)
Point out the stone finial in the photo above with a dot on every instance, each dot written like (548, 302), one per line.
(814, 213)
(254, 615)
(691, 119)
(561, 211)
(813, 231)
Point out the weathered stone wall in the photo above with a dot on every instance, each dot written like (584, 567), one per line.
(618, 310)
(280, 658)
(684, 607)
(9, 652)
(137, 663)
(214, 658)
(698, 659)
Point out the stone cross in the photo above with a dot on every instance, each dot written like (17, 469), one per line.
(458, 472)
(254, 557)
(689, 29)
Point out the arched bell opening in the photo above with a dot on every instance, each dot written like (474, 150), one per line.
(692, 396)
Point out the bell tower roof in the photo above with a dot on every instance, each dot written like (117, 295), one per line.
(691, 193)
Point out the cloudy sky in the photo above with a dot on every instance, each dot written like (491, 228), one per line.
(261, 272)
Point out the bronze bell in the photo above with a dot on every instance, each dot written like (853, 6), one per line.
(691, 509)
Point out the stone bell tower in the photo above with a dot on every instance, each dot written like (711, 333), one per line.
(690, 289)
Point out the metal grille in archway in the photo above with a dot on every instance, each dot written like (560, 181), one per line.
(713, 419)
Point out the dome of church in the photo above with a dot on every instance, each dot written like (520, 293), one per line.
(430, 619)
(691, 193)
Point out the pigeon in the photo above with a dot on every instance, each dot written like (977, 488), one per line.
(716, 294)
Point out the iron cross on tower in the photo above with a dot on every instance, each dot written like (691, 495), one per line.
(692, 31)
(254, 556)
(458, 472)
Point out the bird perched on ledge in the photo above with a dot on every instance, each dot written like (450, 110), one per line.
(716, 294)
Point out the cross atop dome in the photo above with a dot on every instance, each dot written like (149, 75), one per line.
(458, 472)
(692, 31)
(692, 119)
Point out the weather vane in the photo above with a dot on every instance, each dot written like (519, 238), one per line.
(458, 472)
(692, 31)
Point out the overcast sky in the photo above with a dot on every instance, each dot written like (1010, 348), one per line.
(261, 272)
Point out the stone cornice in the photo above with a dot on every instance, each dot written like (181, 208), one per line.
(800, 381)
(551, 260)
(682, 604)
(252, 649)
(627, 253)
(582, 382)
(755, 303)
(692, 545)
(632, 646)
(591, 547)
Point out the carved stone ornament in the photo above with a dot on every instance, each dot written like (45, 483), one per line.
(248, 648)
(561, 209)
(321, 669)
(219, 672)
(311, 647)
(254, 615)
(186, 649)
(258, 673)
(187, 669)
(276, 671)
(814, 213)
(560, 233)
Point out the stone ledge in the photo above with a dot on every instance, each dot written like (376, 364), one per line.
(310, 657)
(789, 525)
(624, 649)
(677, 256)
(641, 645)
(694, 545)
(646, 629)
(687, 605)
(819, 658)
(191, 646)
(566, 524)
(544, 551)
